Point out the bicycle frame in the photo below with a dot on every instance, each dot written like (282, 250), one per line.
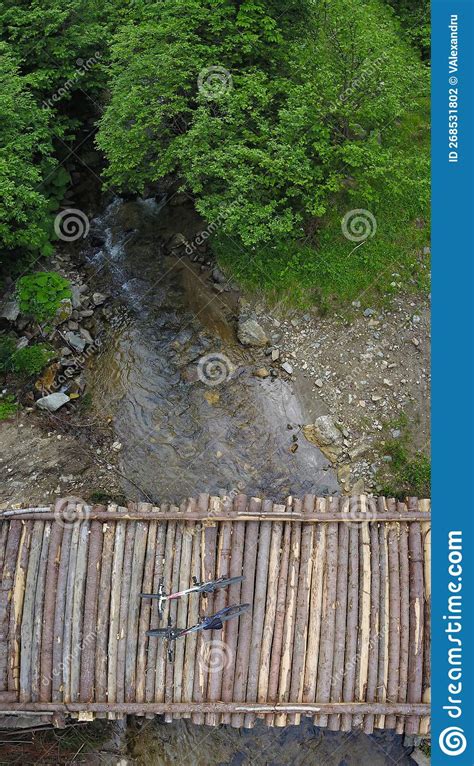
(198, 587)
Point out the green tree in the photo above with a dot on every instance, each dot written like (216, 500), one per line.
(299, 100)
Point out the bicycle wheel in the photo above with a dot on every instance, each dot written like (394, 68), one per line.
(232, 611)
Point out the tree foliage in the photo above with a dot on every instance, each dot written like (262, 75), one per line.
(307, 93)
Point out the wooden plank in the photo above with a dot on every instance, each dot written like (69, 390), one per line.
(173, 611)
(334, 721)
(232, 628)
(424, 506)
(103, 612)
(246, 594)
(350, 656)
(124, 603)
(132, 647)
(362, 664)
(416, 605)
(12, 534)
(89, 630)
(375, 586)
(29, 611)
(68, 614)
(384, 647)
(193, 607)
(145, 611)
(259, 601)
(47, 647)
(114, 618)
(270, 610)
(394, 615)
(404, 621)
(38, 617)
(16, 611)
(161, 649)
(78, 610)
(315, 606)
(220, 657)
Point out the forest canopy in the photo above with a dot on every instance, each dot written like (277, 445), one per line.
(294, 109)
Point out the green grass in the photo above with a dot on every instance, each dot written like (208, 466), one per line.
(8, 407)
(333, 270)
(410, 471)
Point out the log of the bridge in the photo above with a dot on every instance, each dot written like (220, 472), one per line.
(209, 647)
(316, 601)
(123, 609)
(173, 611)
(394, 615)
(11, 541)
(199, 675)
(375, 585)
(78, 610)
(270, 612)
(384, 615)
(246, 593)
(131, 649)
(47, 647)
(223, 658)
(38, 616)
(334, 722)
(68, 615)
(302, 610)
(16, 610)
(404, 620)
(89, 632)
(426, 533)
(161, 649)
(259, 601)
(29, 610)
(59, 615)
(238, 539)
(362, 662)
(155, 663)
(193, 609)
(274, 673)
(114, 620)
(103, 611)
(145, 611)
(326, 652)
(415, 665)
(158, 708)
(348, 686)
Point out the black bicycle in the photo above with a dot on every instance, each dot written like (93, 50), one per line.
(212, 622)
(197, 587)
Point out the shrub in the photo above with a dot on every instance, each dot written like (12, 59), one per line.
(40, 294)
(7, 349)
(31, 359)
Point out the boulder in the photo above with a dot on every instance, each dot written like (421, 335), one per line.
(52, 402)
(326, 435)
(98, 299)
(77, 342)
(250, 333)
(10, 310)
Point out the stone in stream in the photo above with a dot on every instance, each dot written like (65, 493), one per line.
(52, 402)
(98, 299)
(326, 435)
(250, 333)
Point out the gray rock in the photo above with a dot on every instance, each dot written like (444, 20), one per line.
(52, 402)
(177, 241)
(87, 336)
(76, 341)
(22, 343)
(98, 299)
(275, 354)
(63, 312)
(356, 304)
(250, 333)
(72, 325)
(369, 312)
(326, 435)
(86, 313)
(218, 276)
(286, 366)
(76, 296)
(10, 310)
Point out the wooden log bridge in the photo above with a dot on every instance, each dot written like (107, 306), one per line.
(338, 630)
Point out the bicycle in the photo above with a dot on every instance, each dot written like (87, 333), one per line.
(199, 587)
(212, 622)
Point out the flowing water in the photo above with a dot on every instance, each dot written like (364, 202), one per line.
(182, 430)
(182, 433)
